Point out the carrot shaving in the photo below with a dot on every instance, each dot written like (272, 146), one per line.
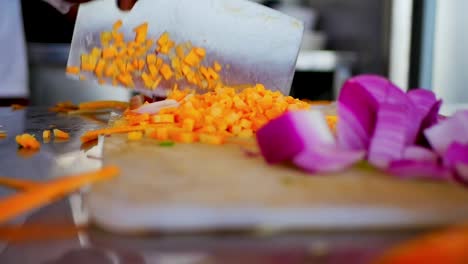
(18, 184)
(94, 105)
(92, 135)
(15, 205)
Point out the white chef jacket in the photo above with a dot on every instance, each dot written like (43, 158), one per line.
(13, 60)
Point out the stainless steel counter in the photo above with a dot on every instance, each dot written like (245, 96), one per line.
(48, 235)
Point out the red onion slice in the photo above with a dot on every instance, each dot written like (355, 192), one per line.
(389, 138)
(411, 169)
(327, 158)
(286, 136)
(419, 153)
(451, 129)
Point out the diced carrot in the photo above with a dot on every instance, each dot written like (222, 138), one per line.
(61, 134)
(141, 33)
(103, 104)
(73, 70)
(211, 139)
(166, 72)
(201, 52)
(94, 134)
(217, 67)
(184, 137)
(192, 58)
(99, 70)
(188, 124)
(46, 134)
(28, 141)
(117, 25)
(160, 133)
(164, 118)
(135, 135)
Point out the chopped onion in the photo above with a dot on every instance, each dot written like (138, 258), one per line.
(389, 139)
(327, 159)
(154, 108)
(290, 134)
(456, 153)
(356, 110)
(423, 99)
(419, 169)
(451, 129)
(419, 153)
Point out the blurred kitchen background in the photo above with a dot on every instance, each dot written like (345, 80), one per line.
(416, 43)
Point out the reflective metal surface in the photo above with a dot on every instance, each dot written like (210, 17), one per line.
(50, 235)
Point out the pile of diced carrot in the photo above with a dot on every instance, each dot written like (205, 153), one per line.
(211, 117)
(147, 61)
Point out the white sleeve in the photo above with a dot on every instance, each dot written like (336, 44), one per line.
(61, 5)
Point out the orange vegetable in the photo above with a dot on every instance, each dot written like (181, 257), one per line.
(17, 204)
(46, 134)
(135, 135)
(166, 72)
(3, 134)
(94, 105)
(94, 134)
(73, 70)
(59, 134)
(117, 25)
(28, 141)
(141, 33)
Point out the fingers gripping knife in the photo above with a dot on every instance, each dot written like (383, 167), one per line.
(255, 44)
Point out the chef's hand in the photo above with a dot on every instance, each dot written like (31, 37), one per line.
(123, 4)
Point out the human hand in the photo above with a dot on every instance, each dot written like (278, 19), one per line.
(125, 5)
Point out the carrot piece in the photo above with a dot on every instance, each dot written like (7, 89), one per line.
(141, 32)
(99, 70)
(22, 202)
(46, 134)
(92, 135)
(126, 79)
(212, 139)
(140, 64)
(246, 133)
(117, 25)
(3, 134)
(73, 70)
(61, 134)
(201, 52)
(135, 135)
(109, 52)
(147, 81)
(192, 58)
(164, 118)
(160, 133)
(153, 70)
(163, 39)
(166, 72)
(17, 184)
(188, 124)
(184, 137)
(28, 141)
(93, 105)
(217, 67)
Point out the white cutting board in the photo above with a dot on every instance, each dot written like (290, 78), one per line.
(195, 187)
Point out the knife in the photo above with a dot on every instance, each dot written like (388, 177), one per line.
(254, 43)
